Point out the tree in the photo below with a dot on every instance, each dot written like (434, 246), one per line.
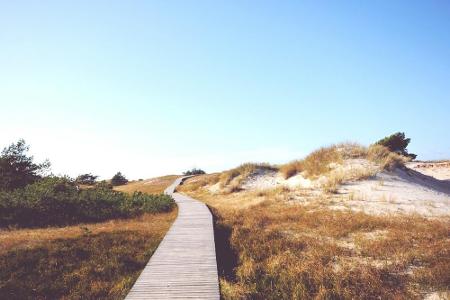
(398, 143)
(118, 179)
(87, 179)
(17, 169)
(194, 171)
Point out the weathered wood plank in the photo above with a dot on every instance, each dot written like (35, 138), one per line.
(184, 265)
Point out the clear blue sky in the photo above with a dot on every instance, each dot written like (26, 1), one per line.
(155, 87)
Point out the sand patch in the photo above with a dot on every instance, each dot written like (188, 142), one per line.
(264, 179)
(438, 170)
(402, 191)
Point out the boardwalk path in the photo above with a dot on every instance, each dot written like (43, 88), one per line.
(184, 265)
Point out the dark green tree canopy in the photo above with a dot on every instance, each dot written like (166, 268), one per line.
(87, 179)
(17, 169)
(398, 143)
(194, 171)
(118, 179)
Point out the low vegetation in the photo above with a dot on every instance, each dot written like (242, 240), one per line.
(201, 181)
(85, 261)
(324, 160)
(316, 163)
(151, 186)
(100, 241)
(397, 143)
(18, 169)
(327, 167)
(294, 243)
(118, 179)
(86, 179)
(292, 251)
(242, 172)
(387, 159)
(194, 171)
(58, 201)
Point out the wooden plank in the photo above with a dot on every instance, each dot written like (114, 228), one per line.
(184, 265)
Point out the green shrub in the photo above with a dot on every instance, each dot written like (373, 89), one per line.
(194, 171)
(58, 201)
(397, 143)
(118, 179)
(17, 168)
(87, 179)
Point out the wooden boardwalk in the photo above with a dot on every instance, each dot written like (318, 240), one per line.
(184, 265)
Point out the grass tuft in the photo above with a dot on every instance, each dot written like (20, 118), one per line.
(386, 159)
(317, 163)
(242, 172)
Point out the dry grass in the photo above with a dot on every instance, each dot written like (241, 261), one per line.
(287, 251)
(317, 163)
(196, 182)
(28, 238)
(380, 156)
(237, 175)
(151, 186)
(85, 261)
(333, 181)
(352, 150)
(386, 159)
(335, 178)
(321, 161)
(362, 173)
(291, 169)
(90, 261)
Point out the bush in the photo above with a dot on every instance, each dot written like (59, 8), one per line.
(87, 179)
(58, 201)
(397, 143)
(17, 169)
(118, 179)
(194, 171)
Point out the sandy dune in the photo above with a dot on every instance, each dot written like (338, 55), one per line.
(416, 189)
(401, 191)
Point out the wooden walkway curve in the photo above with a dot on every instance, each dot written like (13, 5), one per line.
(184, 265)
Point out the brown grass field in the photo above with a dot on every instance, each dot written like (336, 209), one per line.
(85, 261)
(280, 250)
(155, 185)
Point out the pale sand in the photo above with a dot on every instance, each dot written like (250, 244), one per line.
(438, 170)
(403, 191)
